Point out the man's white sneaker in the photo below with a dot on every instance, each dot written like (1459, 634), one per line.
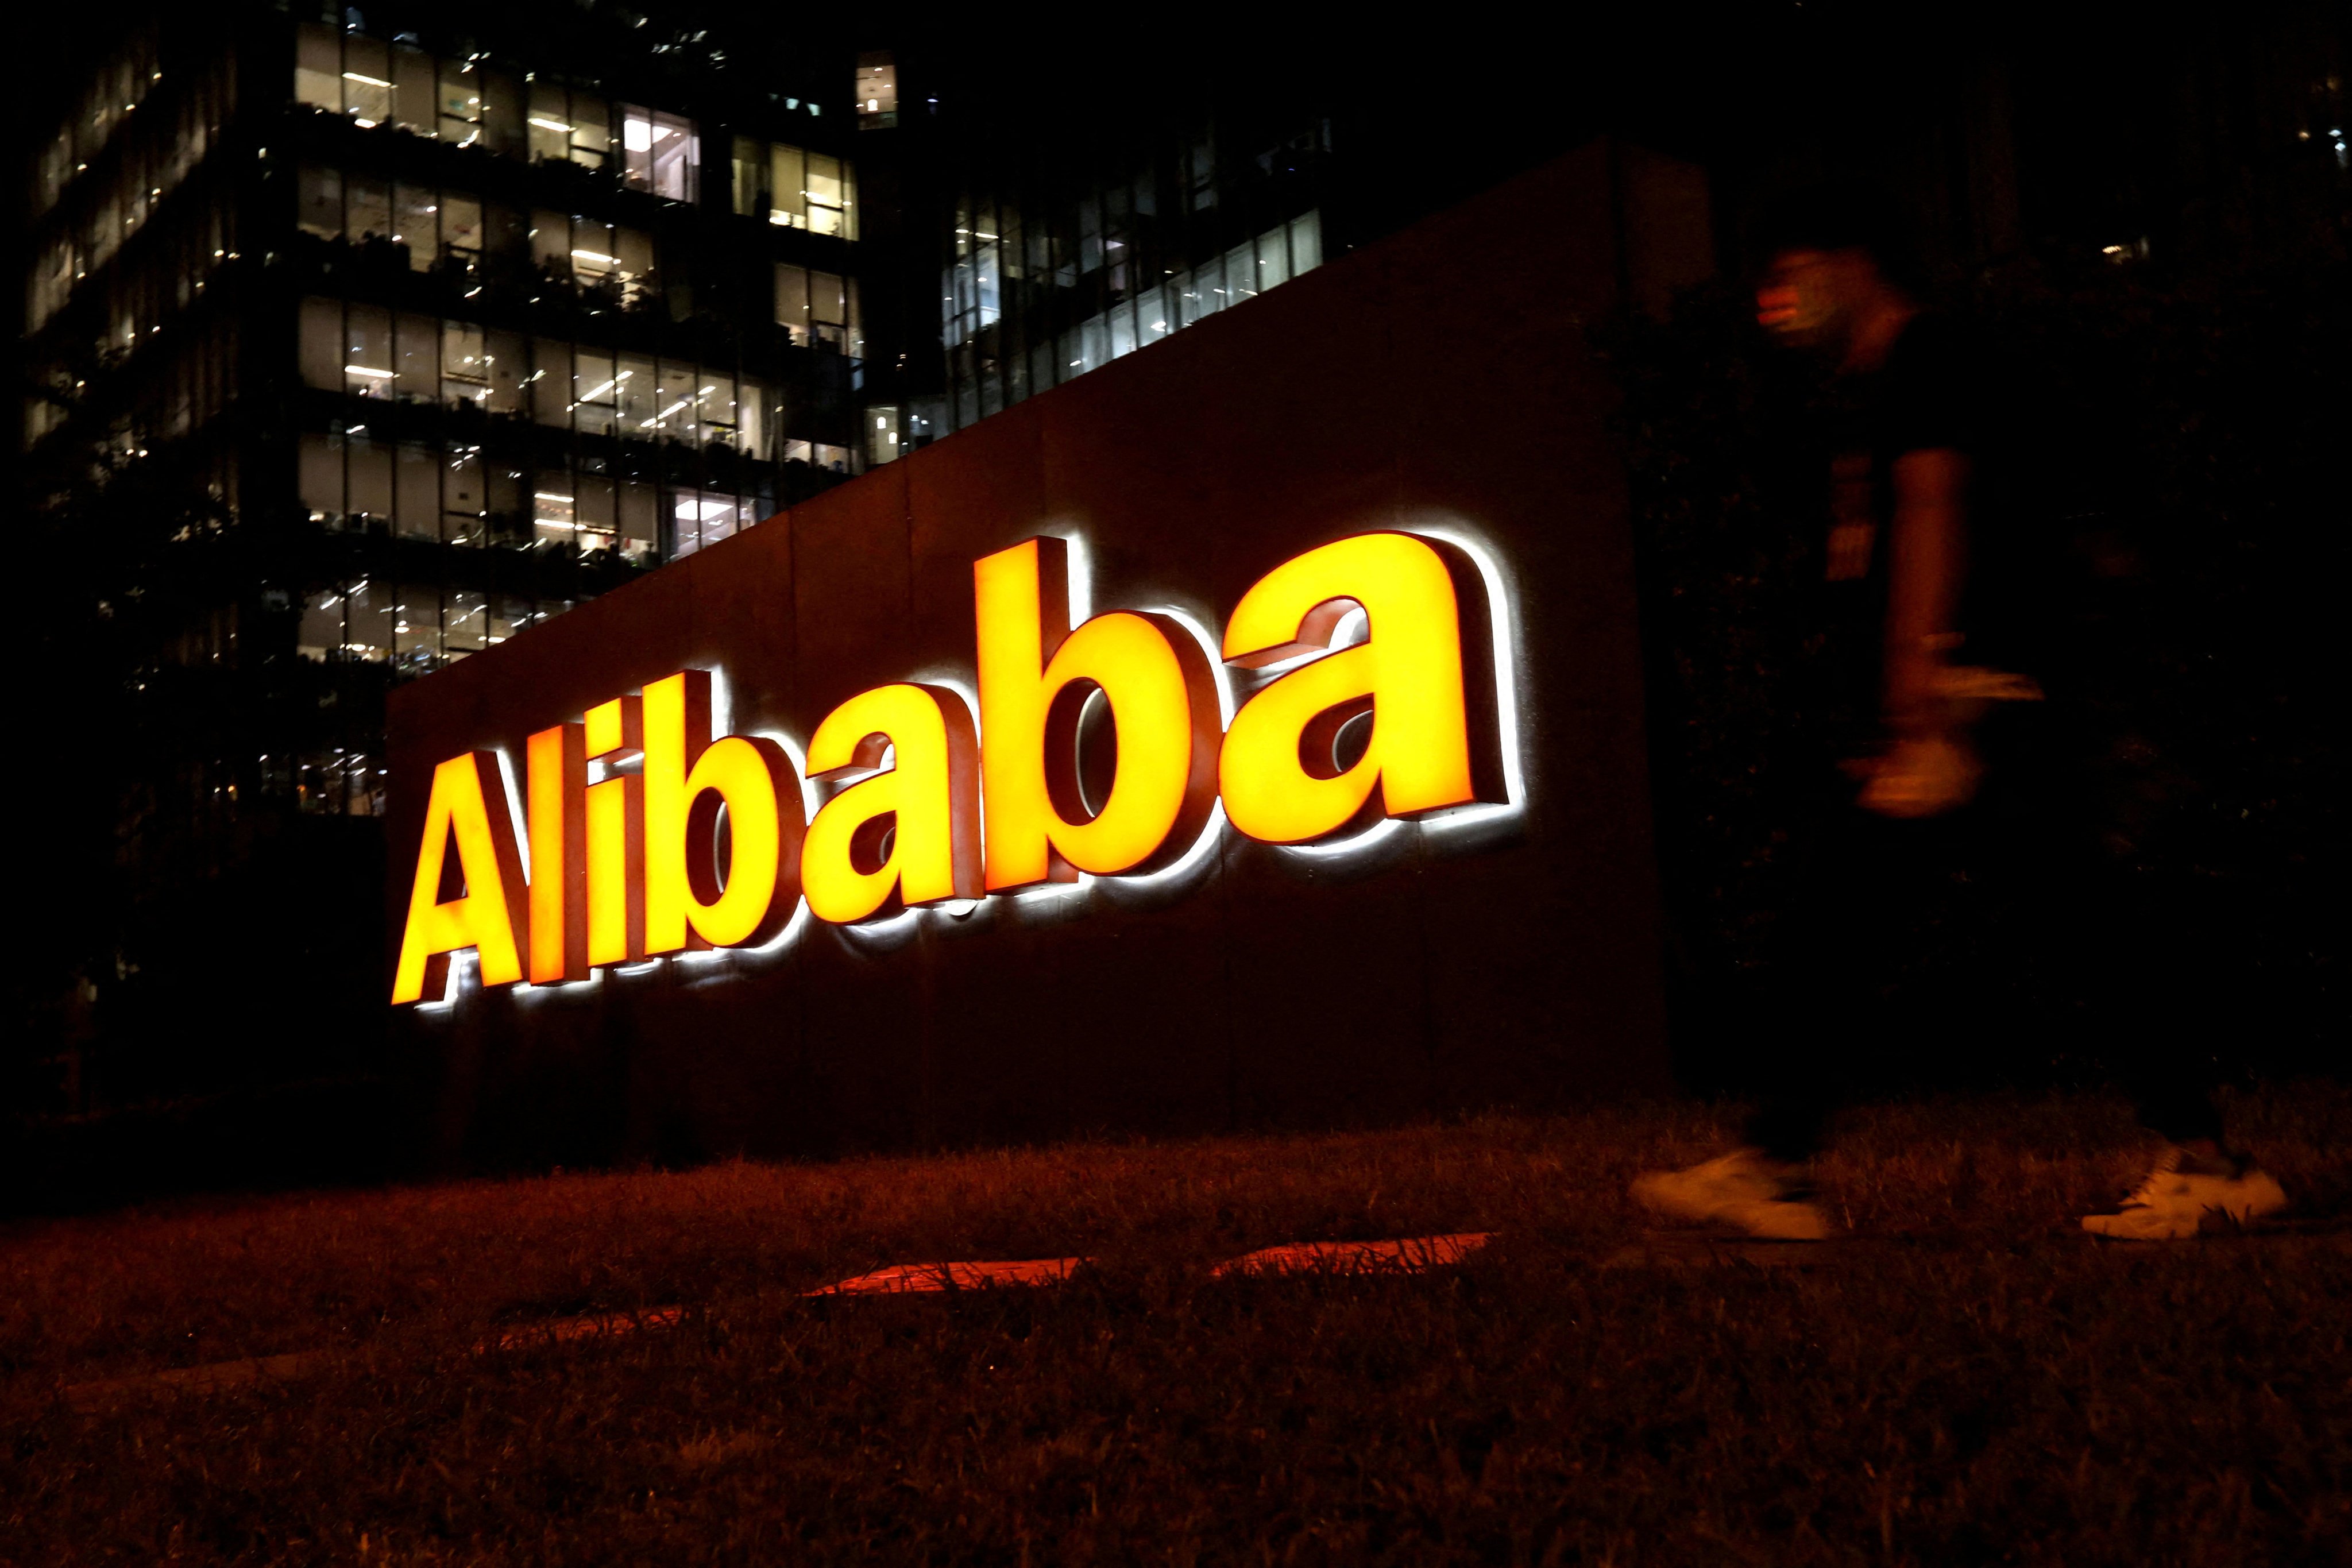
(2181, 1195)
(1742, 1188)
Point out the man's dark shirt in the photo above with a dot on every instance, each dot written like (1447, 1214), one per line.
(1927, 395)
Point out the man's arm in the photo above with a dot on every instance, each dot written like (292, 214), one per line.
(1926, 562)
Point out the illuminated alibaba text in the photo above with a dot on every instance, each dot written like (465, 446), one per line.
(645, 834)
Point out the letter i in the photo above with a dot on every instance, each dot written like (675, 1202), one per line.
(615, 822)
(557, 781)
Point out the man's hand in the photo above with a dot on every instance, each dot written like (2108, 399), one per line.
(1923, 775)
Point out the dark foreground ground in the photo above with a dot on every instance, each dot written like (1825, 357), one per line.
(1968, 1379)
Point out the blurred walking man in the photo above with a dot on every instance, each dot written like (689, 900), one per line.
(1898, 785)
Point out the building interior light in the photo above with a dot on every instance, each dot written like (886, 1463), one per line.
(550, 124)
(364, 370)
(543, 495)
(596, 255)
(371, 81)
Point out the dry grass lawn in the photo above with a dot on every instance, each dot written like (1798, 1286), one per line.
(1968, 1380)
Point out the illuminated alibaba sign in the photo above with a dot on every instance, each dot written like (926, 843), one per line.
(708, 843)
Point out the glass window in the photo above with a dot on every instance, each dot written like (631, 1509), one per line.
(1153, 319)
(415, 92)
(550, 381)
(319, 67)
(368, 622)
(417, 493)
(881, 433)
(1306, 243)
(750, 416)
(714, 407)
(596, 511)
(828, 197)
(590, 253)
(554, 510)
(591, 131)
(551, 243)
(828, 310)
(320, 468)
(1241, 273)
(660, 153)
(464, 505)
(596, 385)
(510, 369)
(461, 227)
(466, 624)
(506, 107)
(417, 224)
(458, 103)
(674, 416)
(367, 82)
(322, 352)
(634, 394)
(321, 633)
(751, 182)
(367, 351)
(1200, 293)
(788, 187)
(416, 627)
(367, 479)
(367, 208)
(1272, 257)
(464, 365)
(633, 253)
(793, 300)
(878, 92)
(550, 123)
(319, 202)
(417, 363)
(640, 522)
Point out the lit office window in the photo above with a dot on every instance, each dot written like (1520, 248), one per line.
(554, 511)
(812, 190)
(319, 67)
(818, 308)
(975, 284)
(368, 369)
(882, 435)
(367, 82)
(569, 127)
(464, 365)
(699, 518)
(878, 92)
(594, 256)
(660, 153)
(749, 183)
(817, 454)
(459, 107)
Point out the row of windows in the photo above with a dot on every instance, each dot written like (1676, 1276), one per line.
(116, 90)
(457, 226)
(189, 382)
(156, 155)
(366, 351)
(463, 102)
(458, 496)
(982, 385)
(411, 624)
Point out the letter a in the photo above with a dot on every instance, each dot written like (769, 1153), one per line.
(927, 804)
(1432, 702)
(468, 806)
